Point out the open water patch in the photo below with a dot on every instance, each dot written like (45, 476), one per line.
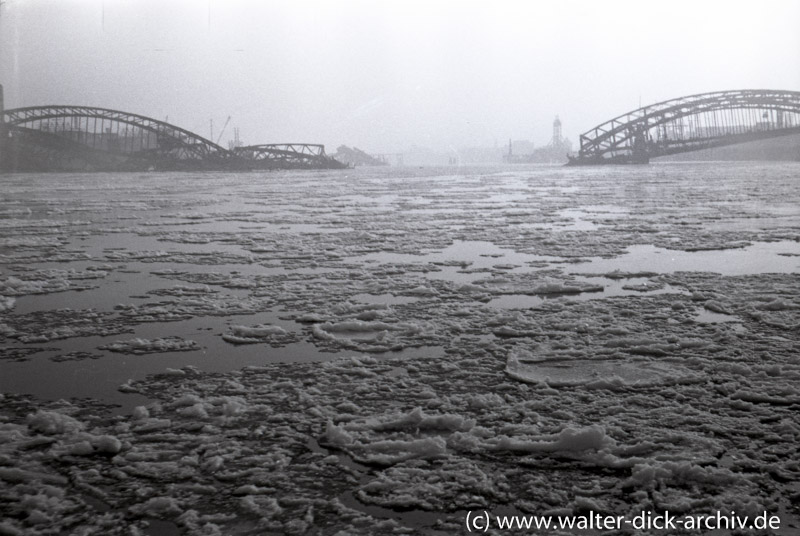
(757, 258)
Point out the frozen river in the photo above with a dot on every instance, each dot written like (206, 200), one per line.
(424, 342)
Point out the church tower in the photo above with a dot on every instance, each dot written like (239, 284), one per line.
(556, 133)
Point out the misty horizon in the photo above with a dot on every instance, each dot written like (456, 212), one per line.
(387, 77)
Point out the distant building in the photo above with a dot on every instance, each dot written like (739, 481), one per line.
(553, 153)
(481, 155)
(522, 147)
(557, 139)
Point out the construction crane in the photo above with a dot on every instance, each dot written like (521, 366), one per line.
(223, 129)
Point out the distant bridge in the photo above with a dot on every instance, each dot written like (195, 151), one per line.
(689, 124)
(80, 138)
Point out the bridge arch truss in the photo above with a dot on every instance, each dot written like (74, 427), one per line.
(102, 130)
(691, 123)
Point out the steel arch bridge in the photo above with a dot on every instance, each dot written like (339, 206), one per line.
(689, 124)
(288, 156)
(110, 136)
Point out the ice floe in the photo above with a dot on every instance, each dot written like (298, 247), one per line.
(565, 356)
(148, 346)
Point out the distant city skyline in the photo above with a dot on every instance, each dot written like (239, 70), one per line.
(385, 77)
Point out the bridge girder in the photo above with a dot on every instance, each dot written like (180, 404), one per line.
(625, 138)
(289, 155)
(36, 131)
(23, 149)
(180, 143)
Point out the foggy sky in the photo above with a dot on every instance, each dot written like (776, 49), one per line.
(384, 76)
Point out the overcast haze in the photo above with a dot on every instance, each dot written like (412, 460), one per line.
(384, 76)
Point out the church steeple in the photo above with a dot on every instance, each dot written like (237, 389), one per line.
(556, 132)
